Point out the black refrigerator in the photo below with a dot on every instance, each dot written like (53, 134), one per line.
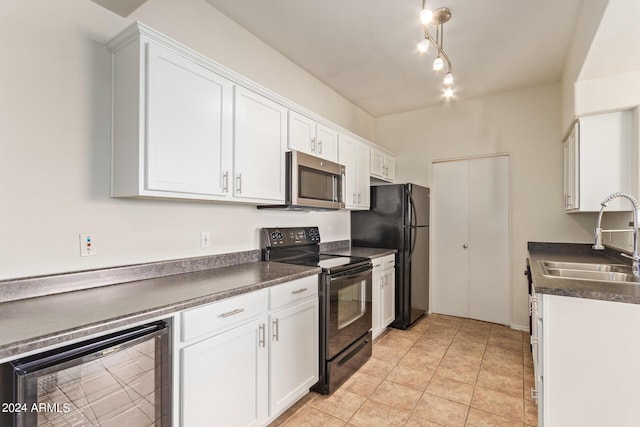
(399, 219)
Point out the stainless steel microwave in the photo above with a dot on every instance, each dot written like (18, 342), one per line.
(312, 183)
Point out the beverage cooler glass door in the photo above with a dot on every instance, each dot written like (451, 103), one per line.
(120, 379)
(349, 316)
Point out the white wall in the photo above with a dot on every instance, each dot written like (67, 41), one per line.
(54, 139)
(610, 76)
(586, 26)
(523, 123)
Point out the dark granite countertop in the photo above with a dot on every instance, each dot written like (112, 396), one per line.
(363, 252)
(31, 324)
(576, 252)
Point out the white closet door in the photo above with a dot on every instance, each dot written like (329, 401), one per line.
(470, 229)
(449, 207)
(489, 295)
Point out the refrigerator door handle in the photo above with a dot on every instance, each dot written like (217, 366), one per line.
(413, 233)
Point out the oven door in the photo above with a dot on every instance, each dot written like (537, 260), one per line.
(348, 316)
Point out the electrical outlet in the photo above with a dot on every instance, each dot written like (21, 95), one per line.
(88, 244)
(205, 239)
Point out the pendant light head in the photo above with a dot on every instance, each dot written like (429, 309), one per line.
(423, 46)
(438, 64)
(448, 92)
(448, 79)
(426, 16)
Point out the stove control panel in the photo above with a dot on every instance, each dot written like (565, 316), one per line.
(290, 236)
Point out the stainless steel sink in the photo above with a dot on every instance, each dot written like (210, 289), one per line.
(587, 271)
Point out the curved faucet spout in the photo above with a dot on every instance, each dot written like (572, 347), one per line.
(598, 231)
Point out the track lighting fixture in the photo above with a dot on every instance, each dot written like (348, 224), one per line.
(437, 18)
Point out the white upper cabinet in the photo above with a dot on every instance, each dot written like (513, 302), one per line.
(598, 161)
(308, 136)
(172, 124)
(354, 155)
(259, 146)
(181, 129)
(383, 165)
(188, 125)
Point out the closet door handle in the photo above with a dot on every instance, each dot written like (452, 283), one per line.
(465, 246)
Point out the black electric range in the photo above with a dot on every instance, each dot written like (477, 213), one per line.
(344, 290)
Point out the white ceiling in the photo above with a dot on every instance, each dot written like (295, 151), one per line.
(366, 49)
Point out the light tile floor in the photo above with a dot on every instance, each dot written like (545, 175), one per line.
(444, 371)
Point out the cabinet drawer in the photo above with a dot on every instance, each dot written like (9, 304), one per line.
(222, 314)
(291, 292)
(377, 262)
(389, 261)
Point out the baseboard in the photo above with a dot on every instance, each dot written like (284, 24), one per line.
(519, 327)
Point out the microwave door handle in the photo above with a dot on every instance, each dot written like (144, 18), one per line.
(335, 188)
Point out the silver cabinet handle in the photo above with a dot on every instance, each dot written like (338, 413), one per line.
(261, 340)
(239, 183)
(534, 394)
(313, 145)
(231, 313)
(275, 329)
(354, 198)
(299, 291)
(358, 197)
(225, 182)
(319, 146)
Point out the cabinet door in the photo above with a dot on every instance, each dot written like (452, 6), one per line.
(363, 175)
(224, 379)
(376, 298)
(326, 143)
(302, 133)
(189, 119)
(388, 298)
(377, 163)
(604, 149)
(347, 157)
(259, 145)
(293, 355)
(390, 168)
(571, 178)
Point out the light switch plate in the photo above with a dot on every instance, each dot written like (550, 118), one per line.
(205, 239)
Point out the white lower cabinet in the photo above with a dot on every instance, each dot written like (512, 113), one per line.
(244, 360)
(293, 354)
(222, 378)
(587, 365)
(383, 294)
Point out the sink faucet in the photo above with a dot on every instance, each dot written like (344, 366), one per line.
(635, 257)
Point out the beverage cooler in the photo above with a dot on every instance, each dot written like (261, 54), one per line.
(118, 379)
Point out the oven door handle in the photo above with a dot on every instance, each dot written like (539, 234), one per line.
(352, 276)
